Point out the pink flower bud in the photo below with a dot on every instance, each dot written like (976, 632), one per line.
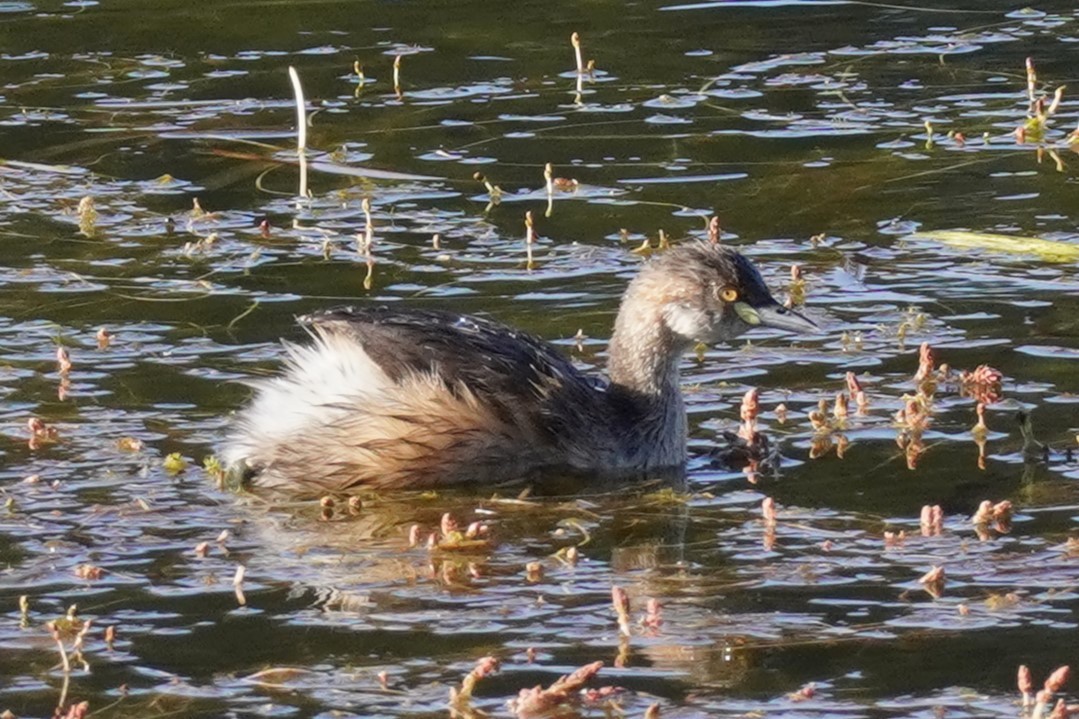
(768, 510)
(1026, 683)
(1057, 679)
(449, 524)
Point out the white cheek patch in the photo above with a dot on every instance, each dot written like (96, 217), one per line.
(687, 321)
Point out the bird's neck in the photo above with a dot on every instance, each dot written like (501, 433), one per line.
(643, 364)
(643, 356)
(644, 353)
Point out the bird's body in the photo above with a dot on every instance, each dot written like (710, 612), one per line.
(394, 398)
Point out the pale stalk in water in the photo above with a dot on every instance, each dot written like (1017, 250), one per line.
(301, 129)
(530, 237)
(301, 112)
(548, 176)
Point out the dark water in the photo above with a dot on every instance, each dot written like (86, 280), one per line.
(801, 125)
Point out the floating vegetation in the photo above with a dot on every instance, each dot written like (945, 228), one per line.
(174, 463)
(1048, 250)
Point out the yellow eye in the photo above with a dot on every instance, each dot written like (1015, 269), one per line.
(728, 294)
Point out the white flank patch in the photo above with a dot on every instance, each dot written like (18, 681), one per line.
(319, 380)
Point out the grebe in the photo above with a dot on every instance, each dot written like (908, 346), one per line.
(398, 398)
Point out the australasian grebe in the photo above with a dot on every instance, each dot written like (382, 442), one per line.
(396, 398)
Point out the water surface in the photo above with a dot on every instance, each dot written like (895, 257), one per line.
(801, 125)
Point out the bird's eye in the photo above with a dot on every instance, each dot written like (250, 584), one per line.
(728, 294)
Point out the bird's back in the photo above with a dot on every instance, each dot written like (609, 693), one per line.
(392, 398)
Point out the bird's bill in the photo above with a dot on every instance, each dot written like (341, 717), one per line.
(776, 316)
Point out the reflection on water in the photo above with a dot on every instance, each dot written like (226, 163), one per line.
(837, 137)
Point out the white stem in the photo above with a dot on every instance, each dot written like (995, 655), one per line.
(303, 178)
(301, 111)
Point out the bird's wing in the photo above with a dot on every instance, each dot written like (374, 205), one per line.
(524, 380)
